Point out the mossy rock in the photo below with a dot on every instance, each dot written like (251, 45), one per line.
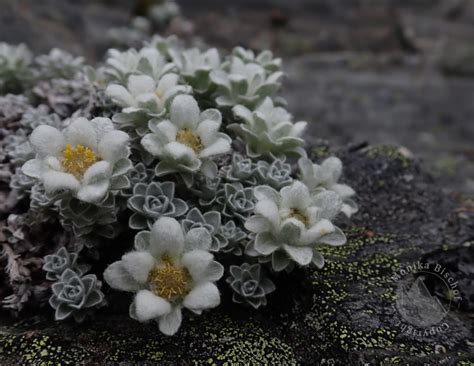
(343, 314)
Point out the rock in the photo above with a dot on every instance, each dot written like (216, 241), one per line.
(344, 314)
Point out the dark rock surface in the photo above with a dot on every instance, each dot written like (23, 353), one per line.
(398, 72)
(344, 314)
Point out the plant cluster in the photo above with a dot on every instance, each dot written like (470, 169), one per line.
(190, 152)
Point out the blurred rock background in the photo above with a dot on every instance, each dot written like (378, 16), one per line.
(375, 71)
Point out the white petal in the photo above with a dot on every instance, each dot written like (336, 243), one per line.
(149, 306)
(295, 196)
(55, 181)
(204, 296)
(265, 243)
(32, 168)
(168, 130)
(138, 265)
(170, 323)
(118, 278)
(318, 259)
(93, 193)
(96, 172)
(333, 167)
(269, 210)
(81, 132)
(140, 84)
(47, 140)
(266, 193)
(202, 267)
(152, 143)
(301, 255)
(114, 146)
(178, 151)
(220, 146)
(342, 190)
(167, 82)
(207, 131)
(336, 238)
(185, 112)
(120, 95)
(323, 227)
(102, 126)
(257, 224)
(166, 238)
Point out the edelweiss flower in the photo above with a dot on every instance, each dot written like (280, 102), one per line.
(119, 65)
(244, 83)
(89, 158)
(195, 66)
(144, 94)
(289, 225)
(325, 176)
(269, 129)
(188, 139)
(168, 270)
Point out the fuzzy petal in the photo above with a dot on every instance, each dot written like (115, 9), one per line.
(47, 140)
(138, 265)
(118, 278)
(204, 296)
(202, 267)
(301, 255)
(295, 196)
(166, 238)
(220, 146)
(113, 146)
(148, 306)
(94, 193)
(185, 112)
(82, 132)
(140, 84)
(32, 168)
(120, 95)
(170, 323)
(56, 181)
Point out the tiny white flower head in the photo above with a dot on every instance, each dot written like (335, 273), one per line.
(144, 94)
(244, 83)
(191, 61)
(269, 129)
(188, 140)
(169, 270)
(325, 177)
(119, 65)
(288, 225)
(88, 158)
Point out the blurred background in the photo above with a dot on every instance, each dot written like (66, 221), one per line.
(360, 71)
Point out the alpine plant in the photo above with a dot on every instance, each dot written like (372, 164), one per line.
(172, 173)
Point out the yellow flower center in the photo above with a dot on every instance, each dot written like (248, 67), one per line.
(298, 215)
(188, 138)
(78, 159)
(169, 280)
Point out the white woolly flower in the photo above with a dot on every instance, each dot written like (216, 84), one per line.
(188, 140)
(195, 66)
(269, 129)
(14, 57)
(168, 271)
(193, 60)
(325, 177)
(150, 61)
(288, 225)
(144, 94)
(88, 158)
(244, 83)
